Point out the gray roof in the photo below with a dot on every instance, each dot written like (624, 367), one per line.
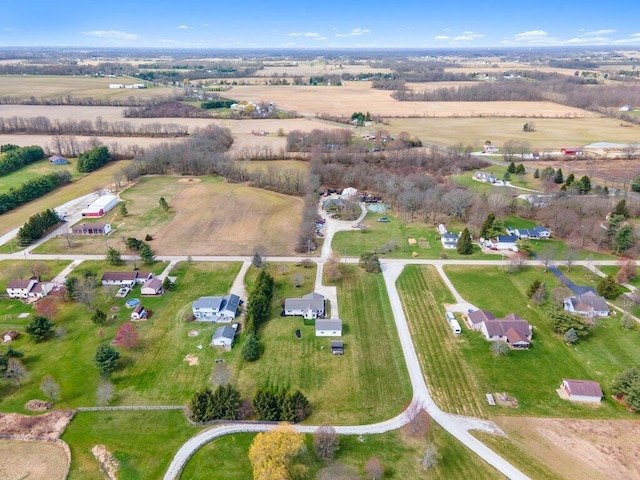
(589, 301)
(225, 331)
(337, 344)
(479, 316)
(507, 238)
(230, 302)
(311, 301)
(328, 324)
(500, 326)
(154, 283)
(208, 302)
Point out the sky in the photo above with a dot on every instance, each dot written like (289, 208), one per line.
(327, 24)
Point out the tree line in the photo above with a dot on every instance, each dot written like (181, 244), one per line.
(17, 157)
(31, 189)
(45, 126)
(37, 226)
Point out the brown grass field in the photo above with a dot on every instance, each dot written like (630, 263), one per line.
(359, 96)
(550, 133)
(230, 219)
(32, 460)
(578, 449)
(49, 86)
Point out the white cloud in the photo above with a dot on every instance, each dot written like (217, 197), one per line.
(442, 37)
(356, 32)
(531, 35)
(321, 38)
(8, 29)
(634, 35)
(599, 33)
(467, 37)
(184, 27)
(114, 34)
(303, 34)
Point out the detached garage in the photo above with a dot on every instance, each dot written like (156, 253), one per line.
(328, 328)
(101, 206)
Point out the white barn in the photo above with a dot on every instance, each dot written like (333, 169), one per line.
(101, 206)
(328, 328)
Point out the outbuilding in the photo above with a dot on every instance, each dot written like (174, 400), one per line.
(329, 327)
(224, 335)
(581, 390)
(101, 206)
(58, 160)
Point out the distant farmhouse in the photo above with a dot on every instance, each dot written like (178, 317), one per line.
(310, 306)
(588, 305)
(484, 177)
(92, 229)
(449, 240)
(216, 309)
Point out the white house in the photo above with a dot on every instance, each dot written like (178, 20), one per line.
(582, 390)
(449, 240)
(513, 330)
(310, 306)
(349, 192)
(40, 290)
(328, 327)
(152, 286)
(442, 228)
(484, 177)
(477, 317)
(224, 336)
(535, 233)
(216, 309)
(502, 242)
(21, 288)
(125, 279)
(626, 108)
(92, 229)
(588, 305)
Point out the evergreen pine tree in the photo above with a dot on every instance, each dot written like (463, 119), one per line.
(465, 246)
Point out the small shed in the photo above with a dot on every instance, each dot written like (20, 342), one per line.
(58, 160)
(337, 347)
(329, 327)
(223, 336)
(139, 313)
(581, 390)
(9, 336)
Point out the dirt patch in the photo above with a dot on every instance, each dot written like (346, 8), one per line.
(50, 425)
(189, 180)
(505, 400)
(108, 463)
(32, 460)
(579, 449)
(38, 405)
(192, 360)
(114, 308)
(192, 333)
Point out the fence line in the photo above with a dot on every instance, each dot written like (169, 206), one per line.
(130, 407)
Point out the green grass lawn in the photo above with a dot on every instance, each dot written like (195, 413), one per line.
(154, 372)
(449, 377)
(361, 386)
(532, 376)
(36, 169)
(226, 458)
(144, 442)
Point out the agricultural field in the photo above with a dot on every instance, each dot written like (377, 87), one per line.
(450, 378)
(155, 372)
(560, 130)
(41, 167)
(33, 460)
(54, 86)
(240, 219)
(143, 442)
(360, 97)
(399, 455)
(358, 387)
(88, 184)
(532, 376)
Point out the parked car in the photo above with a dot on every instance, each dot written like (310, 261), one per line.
(384, 219)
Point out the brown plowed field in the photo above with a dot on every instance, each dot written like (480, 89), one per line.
(32, 460)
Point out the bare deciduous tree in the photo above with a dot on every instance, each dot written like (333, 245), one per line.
(50, 388)
(326, 442)
(16, 371)
(430, 457)
(104, 393)
(374, 468)
(418, 421)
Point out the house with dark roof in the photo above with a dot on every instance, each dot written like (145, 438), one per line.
(92, 229)
(30, 288)
(581, 390)
(513, 330)
(475, 318)
(125, 279)
(224, 336)
(484, 177)
(309, 306)
(328, 328)
(589, 305)
(449, 240)
(536, 233)
(152, 286)
(502, 242)
(216, 309)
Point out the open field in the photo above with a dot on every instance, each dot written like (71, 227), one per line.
(226, 458)
(573, 449)
(277, 165)
(97, 180)
(362, 386)
(550, 133)
(123, 143)
(239, 219)
(41, 167)
(52, 86)
(449, 377)
(532, 376)
(144, 442)
(360, 97)
(32, 460)
(152, 373)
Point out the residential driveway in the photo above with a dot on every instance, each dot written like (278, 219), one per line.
(577, 289)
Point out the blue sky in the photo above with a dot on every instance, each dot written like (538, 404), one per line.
(318, 24)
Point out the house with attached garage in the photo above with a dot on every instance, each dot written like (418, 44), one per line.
(535, 233)
(513, 330)
(477, 317)
(125, 279)
(92, 229)
(581, 390)
(216, 309)
(502, 242)
(30, 288)
(588, 305)
(224, 336)
(328, 327)
(310, 306)
(484, 177)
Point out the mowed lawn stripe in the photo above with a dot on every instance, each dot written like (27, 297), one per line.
(450, 379)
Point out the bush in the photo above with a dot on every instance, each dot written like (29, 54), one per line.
(251, 348)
